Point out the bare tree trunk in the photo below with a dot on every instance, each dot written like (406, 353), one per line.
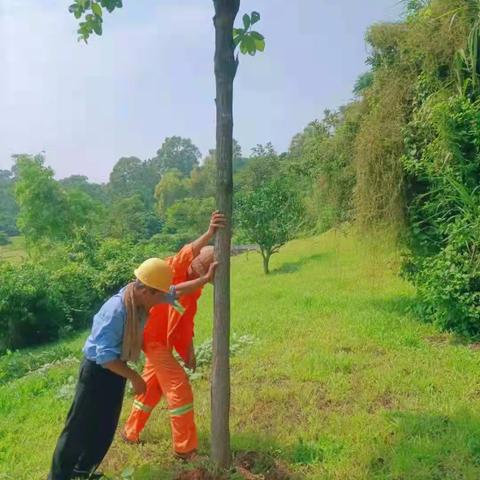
(225, 69)
(266, 260)
(266, 254)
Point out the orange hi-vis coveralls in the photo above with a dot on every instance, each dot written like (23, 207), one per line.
(165, 330)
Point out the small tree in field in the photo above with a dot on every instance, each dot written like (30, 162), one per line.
(269, 216)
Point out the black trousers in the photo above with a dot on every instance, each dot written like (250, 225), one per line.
(91, 422)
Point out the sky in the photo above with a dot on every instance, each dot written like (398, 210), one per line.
(150, 76)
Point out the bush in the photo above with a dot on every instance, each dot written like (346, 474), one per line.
(60, 292)
(448, 286)
(80, 293)
(445, 212)
(31, 306)
(116, 260)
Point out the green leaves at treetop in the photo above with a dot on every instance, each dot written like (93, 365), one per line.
(91, 13)
(247, 40)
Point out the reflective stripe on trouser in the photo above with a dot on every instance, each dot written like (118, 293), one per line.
(165, 376)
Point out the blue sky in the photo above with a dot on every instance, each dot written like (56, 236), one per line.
(151, 76)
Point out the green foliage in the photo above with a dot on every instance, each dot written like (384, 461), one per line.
(379, 195)
(363, 82)
(176, 153)
(424, 46)
(413, 7)
(131, 176)
(91, 14)
(248, 40)
(44, 210)
(80, 183)
(60, 291)
(129, 219)
(467, 61)
(268, 216)
(169, 242)
(320, 161)
(83, 210)
(47, 212)
(262, 167)
(444, 179)
(202, 182)
(171, 188)
(116, 259)
(31, 309)
(189, 215)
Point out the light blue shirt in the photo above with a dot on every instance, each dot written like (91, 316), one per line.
(104, 343)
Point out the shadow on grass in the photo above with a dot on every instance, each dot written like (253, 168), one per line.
(292, 267)
(424, 445)
(403, 305)
(398, 305)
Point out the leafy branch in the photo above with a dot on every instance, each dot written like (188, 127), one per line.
(248, 40)
(90, 12)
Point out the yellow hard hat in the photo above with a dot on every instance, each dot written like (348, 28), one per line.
(155, 273)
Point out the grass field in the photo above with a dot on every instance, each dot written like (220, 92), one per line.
(14, 251)
(341, 382)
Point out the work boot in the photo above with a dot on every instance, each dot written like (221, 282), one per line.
(130, 442)
(190, 457)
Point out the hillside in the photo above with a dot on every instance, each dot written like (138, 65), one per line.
(340, 381)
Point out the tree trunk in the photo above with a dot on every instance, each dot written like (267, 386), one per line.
(225, 69)
(266, 260)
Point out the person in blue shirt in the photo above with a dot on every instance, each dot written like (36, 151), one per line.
(115, 339)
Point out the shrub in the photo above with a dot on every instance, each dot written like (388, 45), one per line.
(444, 174)
(31, 306)
(59, 292)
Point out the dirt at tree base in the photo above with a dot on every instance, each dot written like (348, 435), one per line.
(197, 474)
(250, 465)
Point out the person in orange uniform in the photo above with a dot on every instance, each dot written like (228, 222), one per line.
(168, 329)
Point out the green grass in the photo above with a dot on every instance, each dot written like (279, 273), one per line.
(341, 382)
(13, 252)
